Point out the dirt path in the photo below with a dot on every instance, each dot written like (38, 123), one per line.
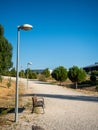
(65, 109)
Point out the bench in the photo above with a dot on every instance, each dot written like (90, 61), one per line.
(37, 102)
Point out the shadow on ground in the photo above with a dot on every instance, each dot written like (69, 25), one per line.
(37, 128)
(4, 110)
(66, 97)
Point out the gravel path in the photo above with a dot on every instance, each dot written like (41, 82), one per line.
(65, 109)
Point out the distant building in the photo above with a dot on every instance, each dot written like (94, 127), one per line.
(90, 68)
(39, 71)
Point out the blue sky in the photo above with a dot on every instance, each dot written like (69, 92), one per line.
(65, 32)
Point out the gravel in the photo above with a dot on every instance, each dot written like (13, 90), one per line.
(65, 109)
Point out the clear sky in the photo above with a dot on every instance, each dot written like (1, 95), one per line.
(65, 32)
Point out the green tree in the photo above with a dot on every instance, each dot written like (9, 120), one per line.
(60, 74)
(46, 73)
(5, 53)
(93, 79)
(30, 74)
(94, 72)
(1, 30)
(22, 74)
(27, 71)
(76, 75)
(13, 72)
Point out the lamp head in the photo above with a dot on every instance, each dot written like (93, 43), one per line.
(29, 63)
(25, 27)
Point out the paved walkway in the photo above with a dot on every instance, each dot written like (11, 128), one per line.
(65, 109)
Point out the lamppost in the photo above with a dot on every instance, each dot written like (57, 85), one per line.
(25, 27)
(29, 63)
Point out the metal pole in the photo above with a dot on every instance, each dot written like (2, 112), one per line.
(27, 76)
(27, 72)
(17, 75)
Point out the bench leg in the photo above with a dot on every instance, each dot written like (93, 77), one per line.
(32, 109)
(43, 110)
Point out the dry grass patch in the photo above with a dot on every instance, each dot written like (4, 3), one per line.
(7, 95)
(7, 100)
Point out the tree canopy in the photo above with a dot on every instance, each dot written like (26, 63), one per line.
(5, 52)
(46, 73)
(1, 30)
(76, 75)
(60, 74)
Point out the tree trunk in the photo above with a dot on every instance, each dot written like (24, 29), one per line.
(60, 83)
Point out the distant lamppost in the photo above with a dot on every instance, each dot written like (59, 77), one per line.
(25, 27)
(29, 63)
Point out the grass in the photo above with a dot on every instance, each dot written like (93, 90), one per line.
(7, 98)
(37, 110)
(7, 94)
(85, 87)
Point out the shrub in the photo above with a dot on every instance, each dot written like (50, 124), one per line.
(93, 79)
(59, 74)
(0, 79)
(97, 88)
(46, 73)
(42, 78)
(9, 83)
